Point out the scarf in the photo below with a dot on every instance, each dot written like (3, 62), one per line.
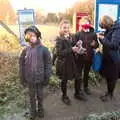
(31, 59)
(86, 26)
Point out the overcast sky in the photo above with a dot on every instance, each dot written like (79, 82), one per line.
(45, 5)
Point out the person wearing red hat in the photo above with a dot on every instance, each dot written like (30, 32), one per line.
(88, 38)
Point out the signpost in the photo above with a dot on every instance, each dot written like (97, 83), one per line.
(76, 20)
(25, 19)
(6, 27)
(106, 7)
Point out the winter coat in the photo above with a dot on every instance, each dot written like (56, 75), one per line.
(44, 66)
(87, 38)
(111, 42)
(111, 52)
(65, 63)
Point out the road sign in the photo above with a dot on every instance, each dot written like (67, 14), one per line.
(106, 7)
(25, 19)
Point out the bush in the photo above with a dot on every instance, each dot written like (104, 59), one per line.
(104, 116)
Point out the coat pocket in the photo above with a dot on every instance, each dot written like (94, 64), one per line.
(59, 67)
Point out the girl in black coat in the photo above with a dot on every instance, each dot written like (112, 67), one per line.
(65, 63)
(84, 61)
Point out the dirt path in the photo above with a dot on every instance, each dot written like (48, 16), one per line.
(56, 110)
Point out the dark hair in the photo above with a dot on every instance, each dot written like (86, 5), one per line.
(33, 29)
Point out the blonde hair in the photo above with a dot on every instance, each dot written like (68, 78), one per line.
(64, 21)
(106, 21)
(83, 19)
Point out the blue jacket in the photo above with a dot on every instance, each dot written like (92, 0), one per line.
(111, 41)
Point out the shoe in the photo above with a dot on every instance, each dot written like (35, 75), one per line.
(87, 91)
(66, 100)
(106, 97)
(32, 117)
(80, 96)
(41, 112)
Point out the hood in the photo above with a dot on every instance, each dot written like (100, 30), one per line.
(116, 25)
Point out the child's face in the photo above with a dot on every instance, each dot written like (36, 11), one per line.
(85, 22)
(33, 37)
(65, 28)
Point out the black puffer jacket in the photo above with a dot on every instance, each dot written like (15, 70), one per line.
(44, 67)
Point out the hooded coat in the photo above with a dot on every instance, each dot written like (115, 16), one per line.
(111, 52)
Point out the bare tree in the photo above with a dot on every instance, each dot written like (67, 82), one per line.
(7, 13)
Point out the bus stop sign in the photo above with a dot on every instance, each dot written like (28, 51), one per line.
(25, 19)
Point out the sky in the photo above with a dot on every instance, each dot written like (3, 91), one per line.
(45, 5)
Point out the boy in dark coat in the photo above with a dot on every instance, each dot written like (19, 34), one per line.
(35, 70)
(111, 54)
(88, 38)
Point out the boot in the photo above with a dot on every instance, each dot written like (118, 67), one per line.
(80, 96)
(41, 111)
(66, 100)
(87, 91)
(105, 98)
(32, 116)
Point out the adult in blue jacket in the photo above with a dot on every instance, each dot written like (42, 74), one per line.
(111, 54)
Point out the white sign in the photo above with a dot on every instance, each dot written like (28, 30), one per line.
(108, 9)
(25, 19)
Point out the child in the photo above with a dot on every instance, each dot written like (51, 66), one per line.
(65, 63)
(84, 60)
(35, 70)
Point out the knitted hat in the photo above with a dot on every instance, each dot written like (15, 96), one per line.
(33, 29)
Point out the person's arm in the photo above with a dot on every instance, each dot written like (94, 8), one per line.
(47, 65)
(76, 37)
(95, 43)
(22, 67)
(54, 56)
(114, 43)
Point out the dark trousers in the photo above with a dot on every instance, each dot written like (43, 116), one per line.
(111, 84)
(83, 66)
(36, 98)
(112, 77)
(64, 86)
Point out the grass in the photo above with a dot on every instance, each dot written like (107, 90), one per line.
(12, 94)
